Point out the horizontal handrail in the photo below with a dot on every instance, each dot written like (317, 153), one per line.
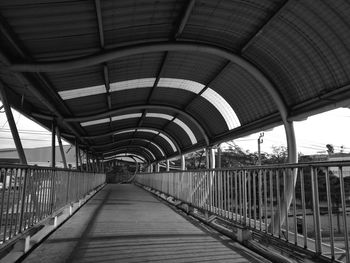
(270, 166)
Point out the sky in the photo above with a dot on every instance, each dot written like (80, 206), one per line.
(312, 135)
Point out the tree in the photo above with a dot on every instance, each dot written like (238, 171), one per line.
(330, 148)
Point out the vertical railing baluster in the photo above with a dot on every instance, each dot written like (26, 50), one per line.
(23, 201)
(244, 199)
(278, 202)
(343, 206)
(3, 173)
(240, 195)
(236, 196)
(329, 207)
(14, 192)
(254, 198)
(225, 190)
(260, 198)
(316, 210)
(286, 212)
(7, 204)
(303, 205)
(265, 201)
(272, 223)
(293, 171)
(249, 173)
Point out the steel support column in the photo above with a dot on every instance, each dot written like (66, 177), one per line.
(53, 144)
(81, 159)
(291, 179)
(212, 158)
(87, 162)
(61, 147)
(219, 157)
(76, 154)
(207, 159)
(167, 165)
(12, 124)
(183, 162)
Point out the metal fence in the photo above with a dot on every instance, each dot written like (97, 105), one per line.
(317, 218)
(30, 194)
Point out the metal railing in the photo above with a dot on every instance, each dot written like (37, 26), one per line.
(317, 219)
(30, 194)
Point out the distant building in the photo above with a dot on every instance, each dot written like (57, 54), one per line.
(340, 157)
(39, 156)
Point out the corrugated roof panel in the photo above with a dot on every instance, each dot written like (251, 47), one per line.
(77, 79)
(248, 97)
(131, 21)
(129, 97)
(228, 24)
(201, 67)
(206, 114)
(135, 67)
(54, 27)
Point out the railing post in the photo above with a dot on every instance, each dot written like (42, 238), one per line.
(343, 206)
(53, 194)
(167, 165)
(77, 154)
(63, 156)
(23, 199)
(316, 210)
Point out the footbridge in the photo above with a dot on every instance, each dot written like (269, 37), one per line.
(155, 81)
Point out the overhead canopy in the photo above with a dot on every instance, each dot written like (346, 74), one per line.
(160, 78)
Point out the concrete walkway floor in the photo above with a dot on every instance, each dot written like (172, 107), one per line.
(124, 223)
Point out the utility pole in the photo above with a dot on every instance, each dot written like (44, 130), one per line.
(260, 141)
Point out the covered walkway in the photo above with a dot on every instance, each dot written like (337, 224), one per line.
(123, 223)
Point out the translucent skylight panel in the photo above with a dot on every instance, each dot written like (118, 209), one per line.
(187, 130)
(83, 92)
(132, 84)
(161, 135)
(159, 115)
(126, 116)
(89, 123)
(223, 107)
(183, 84)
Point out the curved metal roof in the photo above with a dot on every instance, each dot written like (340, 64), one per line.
(159, 78)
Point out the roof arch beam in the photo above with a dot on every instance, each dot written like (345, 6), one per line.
(131, 139)
(187, 46)
(148, 152)
(172, 46)
(131, 129)
(141, 107)
(133, 152)
(130, 155)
